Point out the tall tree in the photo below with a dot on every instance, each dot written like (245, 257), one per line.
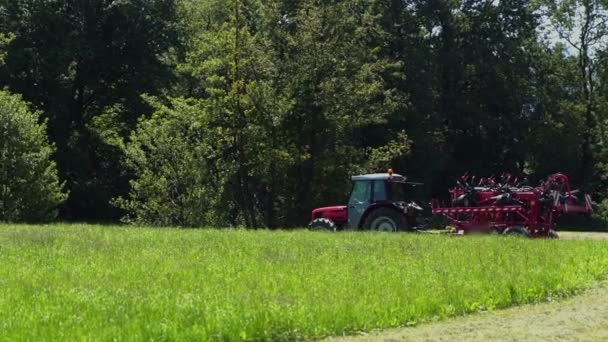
(557, 114)
(409, 45)
(230, 71)
(85, 63)
(478, 79)
(602, 118)
(334, 75)
(583, 26)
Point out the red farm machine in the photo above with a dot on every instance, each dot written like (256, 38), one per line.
(377, 202)
(383, 202)
(508, 206)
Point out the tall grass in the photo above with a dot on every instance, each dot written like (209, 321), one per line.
(82, 282)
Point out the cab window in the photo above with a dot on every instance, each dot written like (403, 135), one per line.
(361, 192)
(379, 191)
(398, 191)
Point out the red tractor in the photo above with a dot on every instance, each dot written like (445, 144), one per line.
(377, 202)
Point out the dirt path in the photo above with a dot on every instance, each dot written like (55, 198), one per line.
(580, 318)
(583, 235)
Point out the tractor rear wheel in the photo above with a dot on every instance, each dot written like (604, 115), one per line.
(322, 225)
(517, 231)
(385, 220)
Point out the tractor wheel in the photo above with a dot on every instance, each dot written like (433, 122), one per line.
(517, 231)
(385, 220)
(322, 225)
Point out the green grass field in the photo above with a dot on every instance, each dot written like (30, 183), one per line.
(101, 283)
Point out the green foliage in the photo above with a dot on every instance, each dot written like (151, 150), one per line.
(174, 157)
(300, 95)
(232, 67)
(5, 40)
(555, 136)
(382, 157)
(265, 118)
(602, 211)
(334, 75)
(583, 27)
(102, 283)
(77, 60)
(29, 187)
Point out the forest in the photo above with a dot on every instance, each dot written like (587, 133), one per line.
(250, 113)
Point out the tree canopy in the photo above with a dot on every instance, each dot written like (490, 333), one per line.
(250, 112)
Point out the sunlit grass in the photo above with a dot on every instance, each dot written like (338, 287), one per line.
(86, 282)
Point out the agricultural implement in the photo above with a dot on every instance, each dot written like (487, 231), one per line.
(509, 206)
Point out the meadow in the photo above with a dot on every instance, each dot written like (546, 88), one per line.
(72, 282)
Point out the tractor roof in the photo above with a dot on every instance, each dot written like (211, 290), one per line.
(380, 176)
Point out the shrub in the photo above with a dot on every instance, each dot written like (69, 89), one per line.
(599, 221)
(29, 186)
(171, 157)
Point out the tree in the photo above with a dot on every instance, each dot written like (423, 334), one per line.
(333, 74)
(231, 70)
(85, 64)
(226, 74)
(275, 104)
(29, 187)
(602, 118)
(282, 102)
(176, 181)
(583, 26)
(466, 71)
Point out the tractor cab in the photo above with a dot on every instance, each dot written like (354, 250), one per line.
(379, 202)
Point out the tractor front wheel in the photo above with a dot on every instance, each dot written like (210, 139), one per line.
(385, 220)
(323, 225)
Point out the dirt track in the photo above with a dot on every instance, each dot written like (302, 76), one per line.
(581, 318)
(583, 235)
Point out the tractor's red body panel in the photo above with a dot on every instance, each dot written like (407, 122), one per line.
(337, 214)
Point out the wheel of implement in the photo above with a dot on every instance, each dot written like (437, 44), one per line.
(517, 231)
(553, 234)
(385, 220)
(494, 230)
(323, 225)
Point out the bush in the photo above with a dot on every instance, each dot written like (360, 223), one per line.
(599, 220)
(29, 186)
(171, 157)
